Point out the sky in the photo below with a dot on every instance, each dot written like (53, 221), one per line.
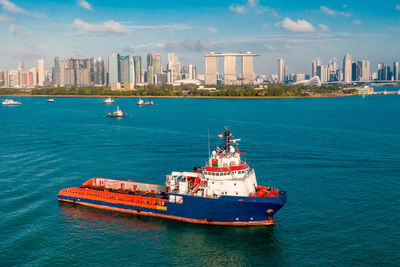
(297, 31)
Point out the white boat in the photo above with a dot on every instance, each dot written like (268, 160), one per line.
(50, 100)
(108, 101)
(118, 114)
(142, 103)
(10, 102)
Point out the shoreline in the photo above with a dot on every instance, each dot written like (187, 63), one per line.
(198, 97)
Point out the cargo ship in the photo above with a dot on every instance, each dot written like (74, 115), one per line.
(223, 192)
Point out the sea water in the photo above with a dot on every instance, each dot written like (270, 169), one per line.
(337, 158)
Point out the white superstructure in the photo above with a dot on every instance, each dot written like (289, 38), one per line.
(225, 174)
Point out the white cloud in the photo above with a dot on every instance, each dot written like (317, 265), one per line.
(357, 23)
(252, 3)
(269, 47)
(85, 5)
(19, 30)
(7, 5)
(397, 7)
(237, 9)
(328, 11)
(110, 26)
(323, 27)
(344, 5)
(114, 27)
(297, 26)
(345, 14)
(212, 30)
(253, 6)
(331, 12)
(190, 45)
(7, 18)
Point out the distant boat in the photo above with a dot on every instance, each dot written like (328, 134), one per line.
(116, 114)
(142, 103)
(108, 101)
(50, 100)
(10, 102)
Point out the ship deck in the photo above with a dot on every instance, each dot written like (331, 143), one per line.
(128, 192)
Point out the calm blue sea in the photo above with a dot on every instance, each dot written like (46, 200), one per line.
(338, 159)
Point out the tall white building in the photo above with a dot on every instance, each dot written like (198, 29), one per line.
(365, 71)
(281, 70)
(347, 68)
(396, 71)
(41, 72)
(173, 68)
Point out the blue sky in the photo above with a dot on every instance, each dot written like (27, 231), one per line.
(297, 31)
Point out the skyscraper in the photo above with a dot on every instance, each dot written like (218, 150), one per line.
(56, 71)
(138, 69)
(211, 69)
(124, 68)
(365, 71)
(229, 69)
(114, 69)
(381, 71)
(156, 63)
(355, 71)
(41, 72)
(281, 70)
(247, 69)
(99, 73)
(173, 67)
(396, 71)
(347, 68)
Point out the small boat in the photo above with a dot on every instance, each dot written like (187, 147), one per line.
(10, 102)
(108, 101)
(142, 103)
(51, 100)
(116, 114)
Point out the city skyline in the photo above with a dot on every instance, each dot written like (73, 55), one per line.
(297, 32)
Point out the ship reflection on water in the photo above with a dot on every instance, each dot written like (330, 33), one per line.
(210, 245)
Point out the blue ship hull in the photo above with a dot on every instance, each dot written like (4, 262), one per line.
(225, 210)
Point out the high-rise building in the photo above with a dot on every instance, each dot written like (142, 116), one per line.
(21, 66)
(2, 77)
(365, 71)
(355, 71)
(173, 68)
(99, 73)
(56, 71)
(35, 76)
(211, 76)
(41, 72)
(149, 75)
(281, 70)
(125, 69)
(247, 69)
(114, 69)
(381, 72)
(27, 79)
(156, 63)
(230, 69)
(211, 69)
(286, 74)
(347, 69)
(13, 76)
(192, 72)
(153, 67)
(131, 71)
(82, 72)
(396, 71)
(137, 60)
